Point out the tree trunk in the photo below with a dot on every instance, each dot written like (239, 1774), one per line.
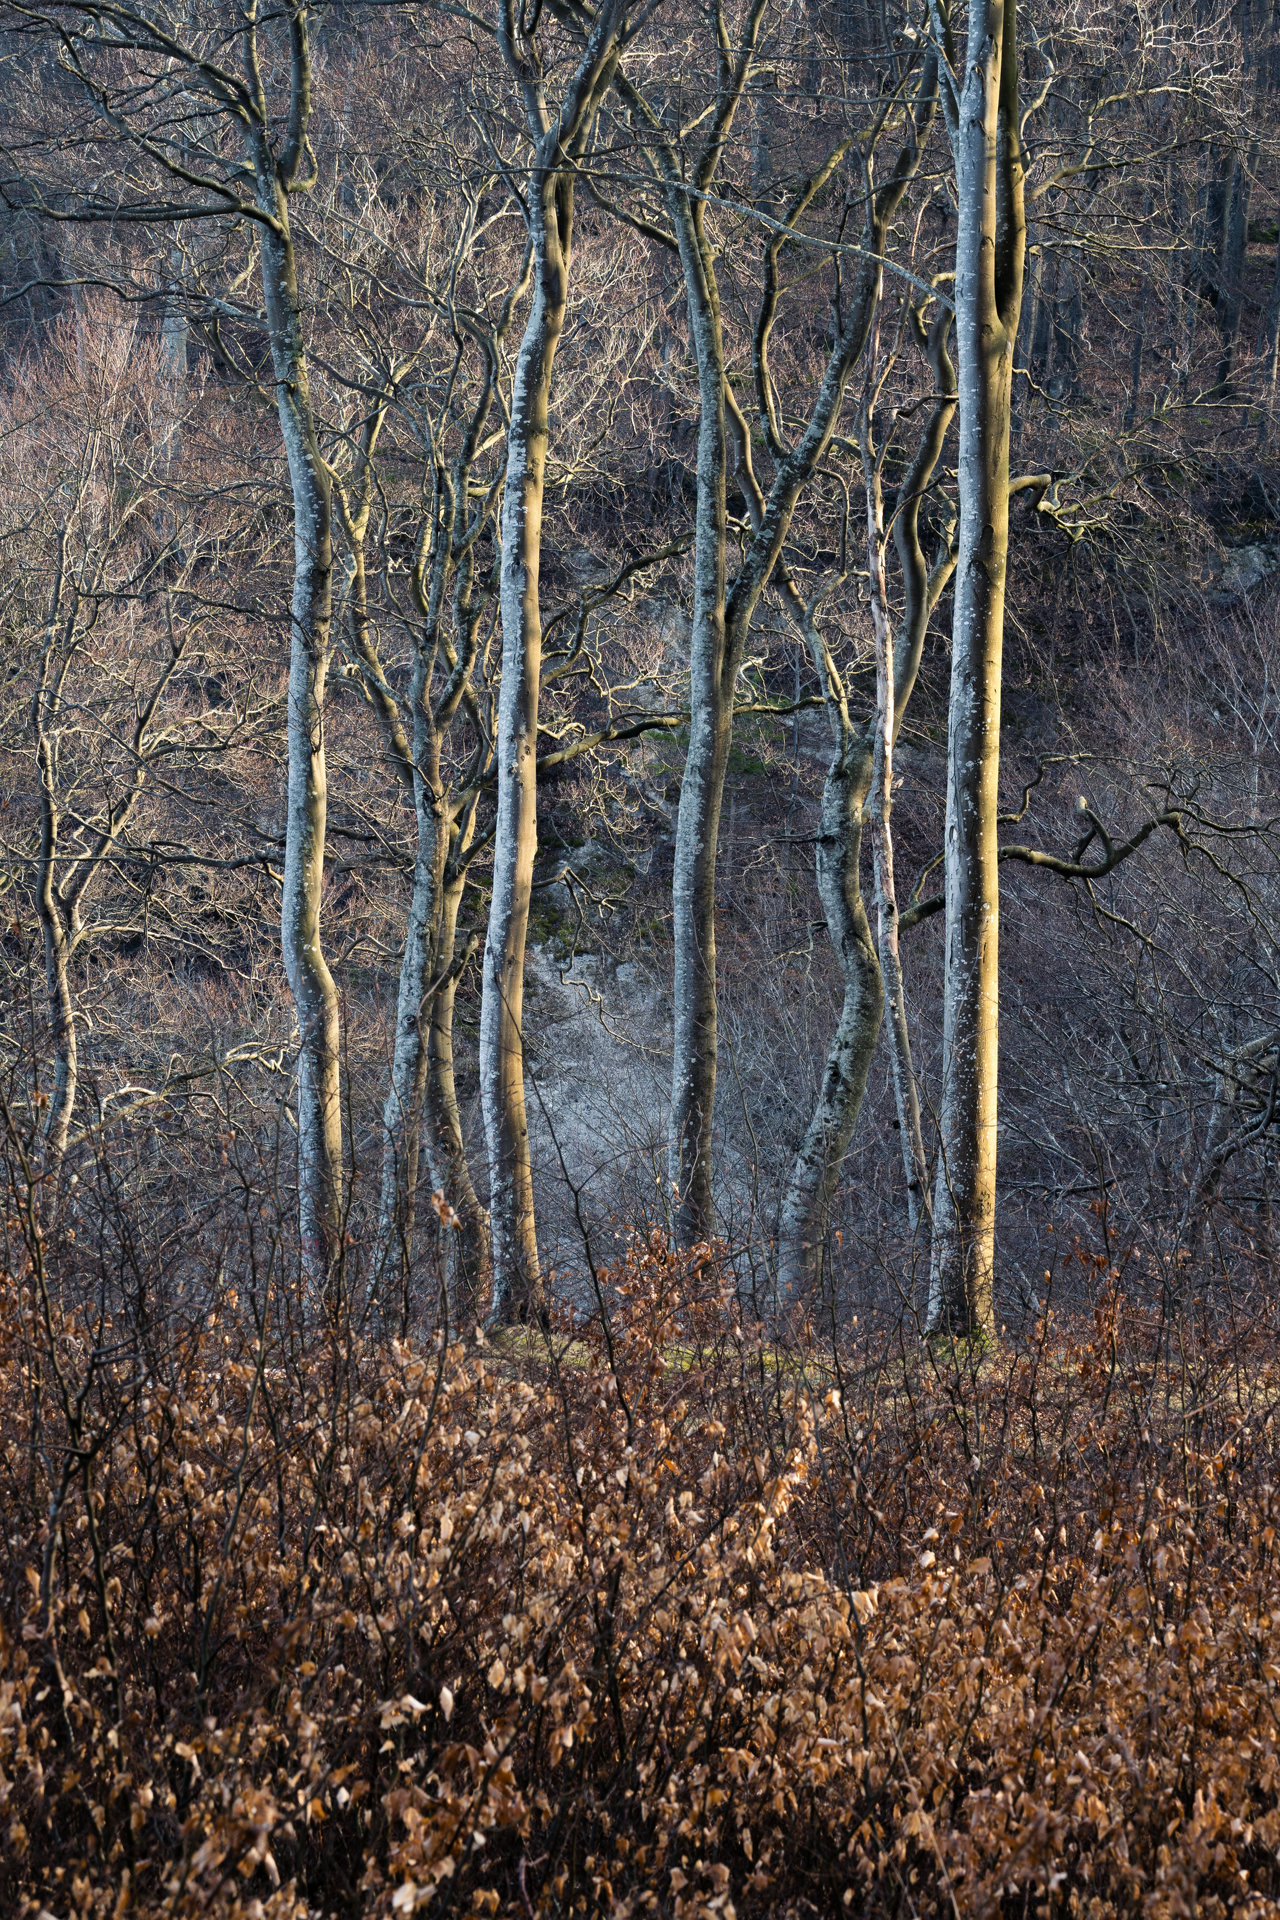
(66, 873)
(55, 931)
(517, 1282)
(400, 1114)
(467, 1256)
(549, 216)
(1231, 278)
(417, 767)
(722, 618)
(811, 1187)
(1271, 360)
(422, 1050)
(886, 725)
(1138, 344)
(711, 690)
(990, 249)
(315, 996)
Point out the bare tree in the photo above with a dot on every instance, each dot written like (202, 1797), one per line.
(558, 140)
(983, 119)
(862, 757)
(227, 143)
(450, 597)
(723, 612)
(92, 524)
(880, 805)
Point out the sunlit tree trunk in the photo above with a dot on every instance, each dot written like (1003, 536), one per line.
(315, 995)
(712, 678)
(811, 1186)
(990, 250)
(55, 932)
(517, 1279)
(278, 173)
(466, 1244)
(722, 613)
(401, 1110)
(67, 869)
(548, 199)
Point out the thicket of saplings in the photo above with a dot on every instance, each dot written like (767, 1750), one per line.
(658, 1608)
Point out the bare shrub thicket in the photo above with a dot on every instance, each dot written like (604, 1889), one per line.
(636, 1615)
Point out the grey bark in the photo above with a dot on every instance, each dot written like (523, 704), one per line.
(59, 920)
(1231, 277)
(721, 614)
(1271, 363)
(276, 176)
(422, 1046)
(887, 723)
(811, 1186)
(548, 198)
(279, 162)
(983, 119)
(466, 1238)
(814, 1174)
(315, 996)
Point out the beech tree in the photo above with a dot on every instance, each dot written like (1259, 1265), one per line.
(982, 113)
(722, 611)
(447, 401)
(558, 139)
(860, 780)
(198, 139)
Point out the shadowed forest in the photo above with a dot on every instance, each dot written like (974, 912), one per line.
(640, 942)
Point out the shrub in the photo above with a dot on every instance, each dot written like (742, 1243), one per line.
(640, 1617)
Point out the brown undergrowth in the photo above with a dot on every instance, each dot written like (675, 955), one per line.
(338, 1626)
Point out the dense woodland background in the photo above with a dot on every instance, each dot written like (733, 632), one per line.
(544, 1369)
(149, 566)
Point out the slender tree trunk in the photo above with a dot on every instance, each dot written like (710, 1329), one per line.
(722, 615)
(1231, 278)
(315, 995)
(548, 197)
(1138, 344)
(711, 690)
(1028, 336)
(400, 1115)
(467, 1256)
(1271, 362)
(421, 1111)
(417, 769)
(990, 249)
(417, 766)
(812, 1183)
(55, 930)
(906, 1093)
(66, 1051)
(517, 1280)
(65, 876)
(422, 1048)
